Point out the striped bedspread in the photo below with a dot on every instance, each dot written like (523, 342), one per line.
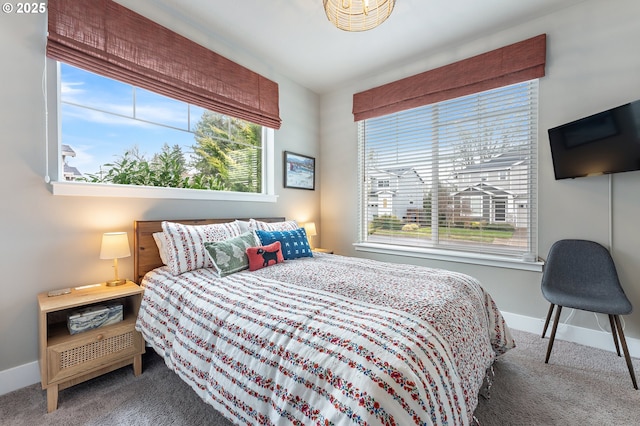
(327, 340)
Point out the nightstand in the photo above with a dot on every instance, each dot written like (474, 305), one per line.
(321, 250)
(68, 359)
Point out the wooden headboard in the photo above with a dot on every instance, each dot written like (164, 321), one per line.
(146, 256)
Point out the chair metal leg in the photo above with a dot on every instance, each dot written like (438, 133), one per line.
(623, 341)
(614, 334)
(546, 323)
(556, 320)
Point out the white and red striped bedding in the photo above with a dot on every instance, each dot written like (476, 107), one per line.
(327, 340)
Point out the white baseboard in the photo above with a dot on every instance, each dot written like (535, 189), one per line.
(18, 377)
(28, 374)
(571, 333)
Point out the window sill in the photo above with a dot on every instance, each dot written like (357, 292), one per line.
(82, 189)
(448, 256)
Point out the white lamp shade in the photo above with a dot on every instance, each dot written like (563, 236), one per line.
(310, 229)
(114, 245)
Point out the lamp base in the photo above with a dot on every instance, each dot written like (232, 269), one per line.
(114, 283)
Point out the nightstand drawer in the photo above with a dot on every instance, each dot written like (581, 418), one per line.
(92, 350)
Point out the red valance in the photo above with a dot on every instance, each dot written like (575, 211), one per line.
(511, 64)
(106, 38)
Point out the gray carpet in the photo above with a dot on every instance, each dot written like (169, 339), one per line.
(580, 386)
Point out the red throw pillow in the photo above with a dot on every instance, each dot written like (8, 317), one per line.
(260, 257)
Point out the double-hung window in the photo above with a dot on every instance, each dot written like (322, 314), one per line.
(460, 175)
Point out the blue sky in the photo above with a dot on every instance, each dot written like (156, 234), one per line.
(100, 137)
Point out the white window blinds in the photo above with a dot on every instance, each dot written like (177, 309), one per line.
(457, 175)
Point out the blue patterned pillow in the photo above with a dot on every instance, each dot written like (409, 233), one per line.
(294, 243)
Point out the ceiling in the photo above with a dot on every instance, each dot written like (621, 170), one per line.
(295, 38)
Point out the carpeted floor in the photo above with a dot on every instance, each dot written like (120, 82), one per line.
(580, 386)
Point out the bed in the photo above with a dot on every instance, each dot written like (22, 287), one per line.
(325, 339)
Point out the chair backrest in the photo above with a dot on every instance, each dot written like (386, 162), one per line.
(583, 268)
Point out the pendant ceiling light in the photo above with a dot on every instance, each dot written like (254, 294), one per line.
(358, 15)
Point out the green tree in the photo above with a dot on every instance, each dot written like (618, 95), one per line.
(168, 168)
(227, 157)
(230, 150)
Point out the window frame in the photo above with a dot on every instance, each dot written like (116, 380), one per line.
(59, 186)
(528, 261)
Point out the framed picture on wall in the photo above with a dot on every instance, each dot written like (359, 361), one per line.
(299, 171)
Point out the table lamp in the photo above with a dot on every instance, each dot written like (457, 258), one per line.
(115, 245)
(310, 229)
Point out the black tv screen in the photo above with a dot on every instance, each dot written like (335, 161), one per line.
(607, 142)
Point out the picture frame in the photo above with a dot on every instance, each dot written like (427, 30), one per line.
(299, 171)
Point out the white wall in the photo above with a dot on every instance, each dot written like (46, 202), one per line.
(592, 64)
(51, 242)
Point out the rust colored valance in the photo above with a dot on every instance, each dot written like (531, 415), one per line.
(511, 64)
(106, 38)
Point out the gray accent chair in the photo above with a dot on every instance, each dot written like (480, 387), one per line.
(581, 274)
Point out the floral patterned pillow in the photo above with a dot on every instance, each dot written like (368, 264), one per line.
(185, 244)
(230, 255)
(160, 240)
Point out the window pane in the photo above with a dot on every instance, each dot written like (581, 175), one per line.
(99, 138)
(195, 114)
(93, 91)
(148, 139)
(159, 109)
(458, 174)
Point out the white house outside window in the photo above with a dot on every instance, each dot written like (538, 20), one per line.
(462, 175)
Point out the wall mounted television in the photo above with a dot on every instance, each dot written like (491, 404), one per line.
(606, 142)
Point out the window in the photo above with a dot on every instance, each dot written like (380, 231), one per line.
(465, 170)
(230, 155)
(116, 133)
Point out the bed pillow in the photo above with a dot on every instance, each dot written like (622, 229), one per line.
(243, 225)
(263, 256)
(230, 255)
(287, 225)
(185, 244)
(160, 240)
(294, 243)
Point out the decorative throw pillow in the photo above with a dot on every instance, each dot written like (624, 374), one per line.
(161, 242)
(263, 256)
(230, 255)
(294, 243)
(185, 244)
(287, 225)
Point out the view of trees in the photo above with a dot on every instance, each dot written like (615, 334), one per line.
(227, 156)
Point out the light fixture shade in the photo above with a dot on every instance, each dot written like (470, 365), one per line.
(310, 229)
(114, 245)
(358, 15)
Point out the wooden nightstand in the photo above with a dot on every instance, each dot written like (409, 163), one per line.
(66, 359)
(321, 250)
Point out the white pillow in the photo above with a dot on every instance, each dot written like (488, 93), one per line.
(161, 242)
(244, 225)
(185, 244)
(287, 225)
